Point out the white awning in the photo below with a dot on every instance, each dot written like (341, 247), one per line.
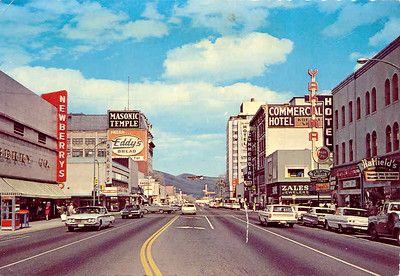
(36, 189)
(307, 197)
(7, 190)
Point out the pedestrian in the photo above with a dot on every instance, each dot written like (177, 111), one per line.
(47, 210)
(71, 209)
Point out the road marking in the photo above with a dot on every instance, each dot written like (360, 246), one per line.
(145, 251)
(312, 249)
(65, 246)
(190, 227)
(209, 222)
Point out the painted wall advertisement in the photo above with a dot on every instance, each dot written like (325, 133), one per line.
(60, 101)
(128, 143)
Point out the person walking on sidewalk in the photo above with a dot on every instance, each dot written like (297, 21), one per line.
(71, 209)
(47, 210)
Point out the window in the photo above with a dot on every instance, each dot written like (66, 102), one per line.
(42, 138)
(77, 153)
(343, 116)
(374, 147)
(68, 141)
(388, 139)
(337, 154)
(68, 152)
(89, 153)
(367, 104)
(102, 139)
(350, 111)
(396, 137)
(387, 92)
(18, 128)
(295, 173)
(351, 151)
(368, 145)
(373, 96)
(90, 141)
(77, 141)
(358, 108)
(395, 88)
(336, 119)
(343, 152)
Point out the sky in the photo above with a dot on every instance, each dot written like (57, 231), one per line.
(188, 65)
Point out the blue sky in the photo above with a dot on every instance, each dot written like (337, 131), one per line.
(190, 63)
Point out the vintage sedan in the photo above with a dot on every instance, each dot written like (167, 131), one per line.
(316, 216)
(92, 217)
(132, 211)
(347, 219)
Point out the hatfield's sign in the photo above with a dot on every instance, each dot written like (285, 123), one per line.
(380, 169)
(129, 143)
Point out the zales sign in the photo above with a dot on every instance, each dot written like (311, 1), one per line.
(129, 143)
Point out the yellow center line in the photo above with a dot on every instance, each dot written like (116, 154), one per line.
(145, 251)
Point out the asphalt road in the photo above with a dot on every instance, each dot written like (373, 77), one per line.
(214, 242)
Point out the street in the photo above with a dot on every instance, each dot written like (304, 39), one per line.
(213, 242)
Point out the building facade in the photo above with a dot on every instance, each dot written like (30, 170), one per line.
(366, 132)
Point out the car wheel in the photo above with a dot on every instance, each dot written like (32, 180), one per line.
(261, 221)
(291, 225)
(327, 227)
(373, 232)
(99, 227)
(398, 236)
(340, 229)
(161, 211)
(141, 215)
(71, 229)
(123, 217)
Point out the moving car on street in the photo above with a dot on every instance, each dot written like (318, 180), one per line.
(316, 216)
(93, 217)
(158, 208)
(347, 219)
(386, 223)
(277, 214)
(188, 208)
(132, 211)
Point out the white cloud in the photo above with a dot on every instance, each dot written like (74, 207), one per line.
(353, 15)
(226, 59)
(390, 32)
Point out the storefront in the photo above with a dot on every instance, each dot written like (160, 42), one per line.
(347, 183)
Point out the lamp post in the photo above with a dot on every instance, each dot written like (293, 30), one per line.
(365, 60)
(94, 171)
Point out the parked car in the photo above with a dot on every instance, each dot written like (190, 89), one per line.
(93, 217)
(188, 208)
(347, 219)
(316, 216)
(386, 223)
(235, 206)
(277, 214)
(158, 208)
(131, 211)
(300, 210)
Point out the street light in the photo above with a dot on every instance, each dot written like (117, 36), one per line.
(94, 170)
(365, 60)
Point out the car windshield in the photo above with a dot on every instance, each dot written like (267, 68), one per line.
(283, 209)
(302, 209)
(357, 213)
(188, 205)
(132, 207)
(87, 210)
(325, 211)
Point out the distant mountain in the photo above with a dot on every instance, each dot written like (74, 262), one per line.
(188, 186)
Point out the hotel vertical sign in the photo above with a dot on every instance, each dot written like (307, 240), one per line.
(60, 101)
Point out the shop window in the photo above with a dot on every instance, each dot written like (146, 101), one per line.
(374, 147)
(68, 141)
(336, 119)
(343, 116)
(373, 99)
(350, 111)
(68, 152)
(367, 104)
(358, 108)
(368, 145)
(77, 153)
(343, 152)
(395, 88)
(336, 154)
(18, 128)
(42, 138)
(388, 139)
(351, 151)
(387, 92)
(396, 137)
(295, 172)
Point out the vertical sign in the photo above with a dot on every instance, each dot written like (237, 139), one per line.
(108, 162)
(59, 100)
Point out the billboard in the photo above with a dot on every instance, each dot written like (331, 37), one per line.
(59, 100)
(296, 116)
(129, 143)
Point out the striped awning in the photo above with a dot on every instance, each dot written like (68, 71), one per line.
(34, 189)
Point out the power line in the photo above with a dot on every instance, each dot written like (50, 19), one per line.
(7, 7)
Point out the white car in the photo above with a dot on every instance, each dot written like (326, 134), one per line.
(188, 208)
(300, 210)
(277, 214)
(94, 217)
(347, 219)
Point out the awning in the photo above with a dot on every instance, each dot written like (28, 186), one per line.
(36, 189)
(7, 190)
(307, 197)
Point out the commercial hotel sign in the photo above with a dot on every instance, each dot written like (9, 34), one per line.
(297, 116)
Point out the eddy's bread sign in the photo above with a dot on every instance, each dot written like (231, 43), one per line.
(59, 100)
(129, 143)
